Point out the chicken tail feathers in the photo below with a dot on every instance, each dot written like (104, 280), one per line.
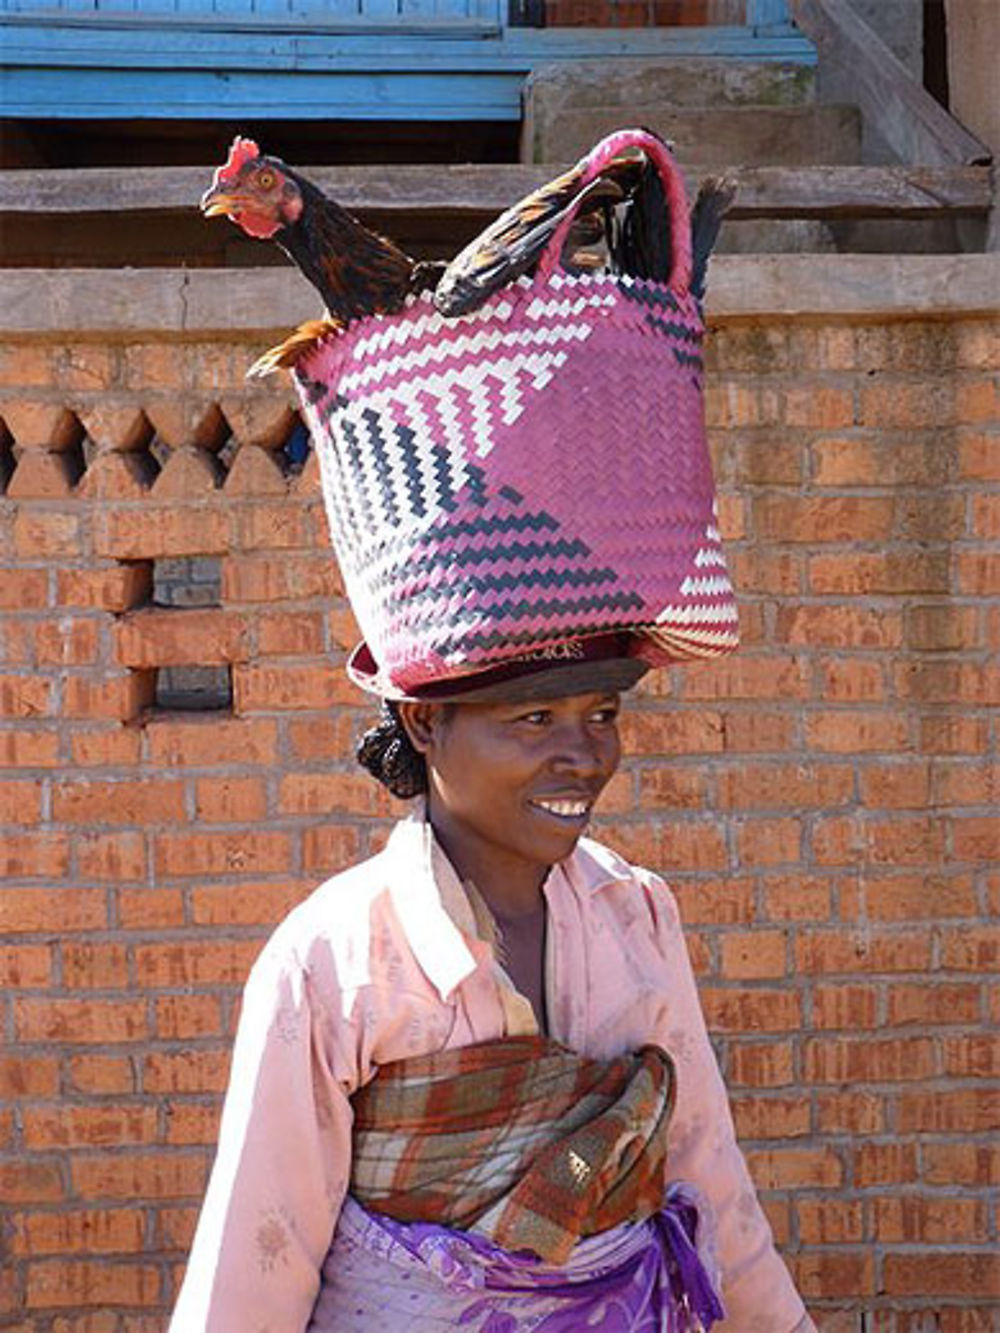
(714, 198)
(287, 354)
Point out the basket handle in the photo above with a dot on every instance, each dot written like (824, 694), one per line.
(673, 185)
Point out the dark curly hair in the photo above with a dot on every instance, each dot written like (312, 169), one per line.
(388, 754)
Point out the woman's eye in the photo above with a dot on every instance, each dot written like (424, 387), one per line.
(537, 718)
(605, 715)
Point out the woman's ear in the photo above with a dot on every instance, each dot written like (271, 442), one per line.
(421, 722)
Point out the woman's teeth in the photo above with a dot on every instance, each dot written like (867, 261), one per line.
(564, 809)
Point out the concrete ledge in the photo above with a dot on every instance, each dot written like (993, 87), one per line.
(263, 303)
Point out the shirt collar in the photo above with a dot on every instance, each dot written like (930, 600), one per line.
(433, 907)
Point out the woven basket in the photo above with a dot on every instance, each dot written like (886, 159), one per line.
(529, 473)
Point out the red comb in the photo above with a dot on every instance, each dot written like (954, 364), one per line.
(241, 151)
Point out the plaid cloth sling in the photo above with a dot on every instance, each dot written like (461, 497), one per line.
(519, 1140)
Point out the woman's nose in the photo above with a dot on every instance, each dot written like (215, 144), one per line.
(577, 751)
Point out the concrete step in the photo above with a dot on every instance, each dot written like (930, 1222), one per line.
(749, 135)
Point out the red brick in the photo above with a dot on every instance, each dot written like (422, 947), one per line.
(157, 636)
(977, 399)
(52, 910)
(25, 696)
(851, 680)
(208, 742)
(763, 786)
(186, 1071)
(330, 848)
(975, 839)
(195, 963)
(953, 735)
(840, 626)
(899, 785)
(126, 1175)
(29, 749)
(242, 853)
(151, 533)
(862, 950)
(933, 1005)
(131, 801)
(324, 737)
(182, 1016)
(114, 746)
(271, 526)
(115, 698)
(331, 793)
(82, 1231)
(740, 1010)
(290, 634)
(761, 1064)
(24, 589)
(343, 628)
(894, 1059)
(823, 518)
(81, 1282)
(970, 1110)
(246, 904)
(86, 1021)
(910, 897)
(291, 686)
(111, 856)
(769, 842)
(41, 535)
(846, 731)
(230, 800)
(20, 801)
(966, 781)
(87, 966)
(104, 1126)
(779, 573)
(717, 902)
(797, 897)
(150, 908)
(692, 846)
(837, 840)
(27, 1076)
(795, 1168)
(772, 677)
(978, 455)
(668, 733)
(175, 1227)
(905, 569)
(752, 729)
(835, 1274)
(25, 966)
(885, 1163)
(68, 641)
(976, 1055)
(771, 1117)
(31, 1181)
(192, 1124)
(961, 1164)
(101, 1075)
(826, 1221)
(857, 1113)
(115, 588)
(283, 578)
(941, 627)
(754, 954)
(978, 573)
(928, 1273)
(849, 1007)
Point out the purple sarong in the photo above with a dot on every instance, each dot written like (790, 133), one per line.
(395, 1277)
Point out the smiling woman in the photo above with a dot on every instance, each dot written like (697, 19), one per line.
(472, 1085)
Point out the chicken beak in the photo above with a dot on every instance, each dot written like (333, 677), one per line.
(217, 203)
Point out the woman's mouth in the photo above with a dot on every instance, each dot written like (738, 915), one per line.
(570, 811)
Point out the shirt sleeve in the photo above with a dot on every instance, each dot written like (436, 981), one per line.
(757, 1289)
(281, 1168)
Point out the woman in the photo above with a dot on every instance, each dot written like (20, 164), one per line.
(487, 920)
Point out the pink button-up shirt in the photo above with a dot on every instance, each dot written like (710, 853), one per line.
(385, 961)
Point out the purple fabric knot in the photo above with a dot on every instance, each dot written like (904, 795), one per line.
(693, 1288)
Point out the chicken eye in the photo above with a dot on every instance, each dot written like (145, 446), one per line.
(265, 179)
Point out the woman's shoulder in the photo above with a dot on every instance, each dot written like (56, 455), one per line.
(599, 867)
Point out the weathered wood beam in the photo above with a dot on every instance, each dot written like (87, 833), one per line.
(777, 192)
(914, 125)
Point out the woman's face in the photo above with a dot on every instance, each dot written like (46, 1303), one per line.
(512, 786)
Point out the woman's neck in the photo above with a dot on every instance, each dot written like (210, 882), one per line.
(509, 886)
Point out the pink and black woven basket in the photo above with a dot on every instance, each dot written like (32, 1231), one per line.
(529, 473)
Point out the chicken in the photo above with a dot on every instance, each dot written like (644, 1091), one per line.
(624, 207)
(356, 271)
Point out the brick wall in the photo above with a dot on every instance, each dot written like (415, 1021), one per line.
(824, 802)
